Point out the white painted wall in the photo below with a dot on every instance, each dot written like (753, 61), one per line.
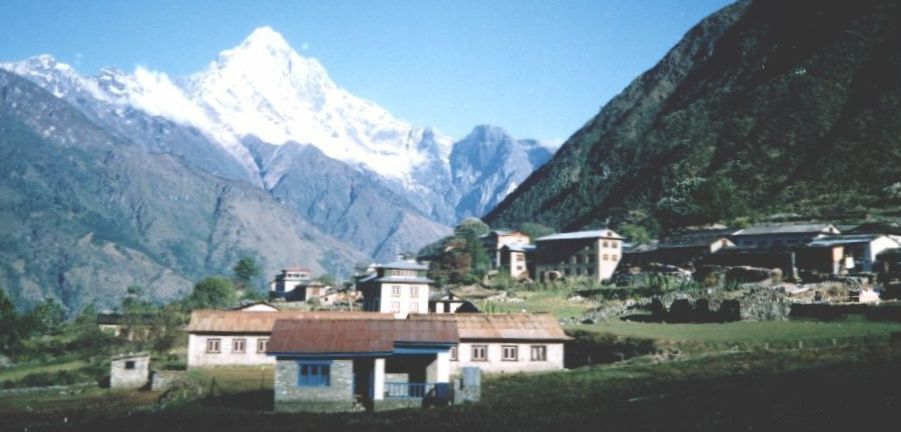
(198, 357)
(378, 381)
(495, 364)
(405, 300)
(877, 246)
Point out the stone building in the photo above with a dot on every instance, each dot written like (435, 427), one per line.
(130, 371)
(284, 284)
(592, 254)
(504, 343)
(849, 252)
(517, 260)
(364, 363)
(497, 239)
(240, 337)
(782, 236)
(399, 288)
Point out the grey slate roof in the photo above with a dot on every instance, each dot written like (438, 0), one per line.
(405, 279)
(519, 247)
(694, 238)
(578, 235)
(785, 229)
(844, 240)
(405, 265)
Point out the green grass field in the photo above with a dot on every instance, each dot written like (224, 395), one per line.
(15, 373)
(831, 388)
(551, 301)
(746, 331)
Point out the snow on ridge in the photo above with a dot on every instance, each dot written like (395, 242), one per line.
(266, 89)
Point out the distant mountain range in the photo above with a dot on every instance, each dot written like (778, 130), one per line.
(138, 178)
(787, 107)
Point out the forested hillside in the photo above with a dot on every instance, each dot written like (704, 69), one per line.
(764, 107)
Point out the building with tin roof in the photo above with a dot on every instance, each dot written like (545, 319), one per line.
(782, 236)
(504, 343)
(592, 254)
(400, 288)
(240, 337)
(342, 365)
(494, 240)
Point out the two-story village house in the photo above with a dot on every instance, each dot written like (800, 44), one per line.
(400, 288)
(592, 254)
(497, 239)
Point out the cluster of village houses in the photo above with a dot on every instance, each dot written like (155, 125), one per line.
(410, 343)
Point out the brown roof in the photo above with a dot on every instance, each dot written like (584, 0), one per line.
(238, 321)
(539, 326)
(356, 336)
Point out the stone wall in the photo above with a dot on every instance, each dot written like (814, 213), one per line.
(166, 379)
(468, 387)
(337, 396)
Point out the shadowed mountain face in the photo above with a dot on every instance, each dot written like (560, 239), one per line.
(763, 107)
(86, 213)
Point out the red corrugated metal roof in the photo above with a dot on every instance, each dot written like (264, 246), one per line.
(355, 336)
(237, 321)
(540, 326)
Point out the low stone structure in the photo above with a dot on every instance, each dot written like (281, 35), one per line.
(130, 371)
(166, 379)
(468, 387)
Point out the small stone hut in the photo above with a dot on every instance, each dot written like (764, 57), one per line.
(130, 371)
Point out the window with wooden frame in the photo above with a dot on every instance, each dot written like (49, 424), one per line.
(314, 373)
(213, 345)
(539, 353)
(453, 353)
(510, 353)
(413, 308)
(395, 307)
(239, 345)
(262, 345)
(414, 291)
(395, 290)
(480, 353)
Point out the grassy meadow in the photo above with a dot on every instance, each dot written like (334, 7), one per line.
(848, 387)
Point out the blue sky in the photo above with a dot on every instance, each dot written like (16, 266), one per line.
(539, 69)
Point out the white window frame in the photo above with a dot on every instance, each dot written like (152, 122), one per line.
(214, 345)
(476, 349)
(539, 352)
(510, 353)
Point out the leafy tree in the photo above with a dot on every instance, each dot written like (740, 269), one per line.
(47, 317)
(213, 292)
(471, 226)
(636, 234)
(535, 230)
(245, 270)
(10, 325)
(133, 303)
(327, 279)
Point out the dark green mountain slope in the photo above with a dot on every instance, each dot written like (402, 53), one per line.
(765, 106)
(84, 214)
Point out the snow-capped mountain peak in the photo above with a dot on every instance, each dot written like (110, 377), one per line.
(263, 88)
